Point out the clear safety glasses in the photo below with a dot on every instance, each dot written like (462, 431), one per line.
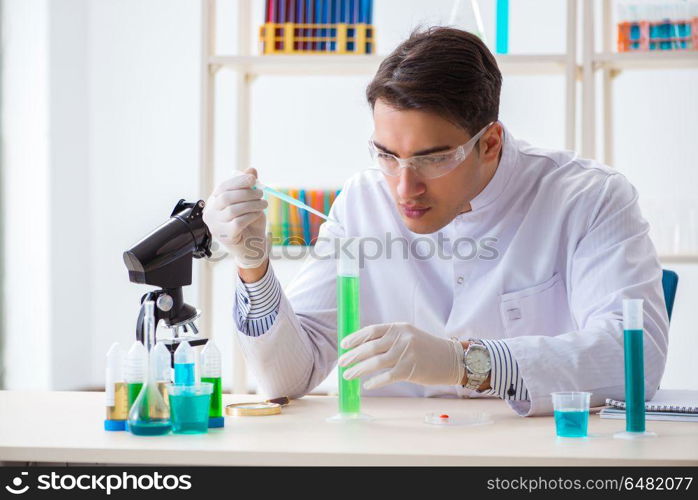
(426, 166)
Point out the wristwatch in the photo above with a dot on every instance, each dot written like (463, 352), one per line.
(477, 364)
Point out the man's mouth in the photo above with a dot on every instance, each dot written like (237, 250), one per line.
(413, 211)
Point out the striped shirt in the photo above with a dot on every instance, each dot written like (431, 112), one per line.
(258, 305)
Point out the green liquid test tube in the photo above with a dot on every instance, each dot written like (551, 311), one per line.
(348, 321)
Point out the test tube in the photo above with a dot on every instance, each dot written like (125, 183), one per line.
(211, 372)
(184, 365)
(115, 390)
(634, 371)
(136, 363)
(634, 366)
(348, 321)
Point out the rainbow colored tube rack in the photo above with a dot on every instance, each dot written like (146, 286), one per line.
(317, 27)
(289, 225)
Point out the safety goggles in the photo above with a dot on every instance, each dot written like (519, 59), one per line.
(426, 166)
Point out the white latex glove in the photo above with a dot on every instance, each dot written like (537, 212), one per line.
(234, 214)
(405, 352)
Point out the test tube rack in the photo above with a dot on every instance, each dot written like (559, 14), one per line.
(291, 226)
(298, 38)
(667, 34)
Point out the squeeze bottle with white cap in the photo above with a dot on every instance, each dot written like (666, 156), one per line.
(135, 367)
(211, 372)
(184, 364)
(115, 390)
(163, 369)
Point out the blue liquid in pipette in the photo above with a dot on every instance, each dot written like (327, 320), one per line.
(571, 423)
(291, 200)
(184, 374)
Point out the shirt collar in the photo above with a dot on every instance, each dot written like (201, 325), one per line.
(501, 177)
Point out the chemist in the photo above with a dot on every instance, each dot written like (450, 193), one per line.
(490, 267)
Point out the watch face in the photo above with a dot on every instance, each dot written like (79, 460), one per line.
(478, 361)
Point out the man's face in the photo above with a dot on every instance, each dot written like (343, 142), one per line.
(427, 205)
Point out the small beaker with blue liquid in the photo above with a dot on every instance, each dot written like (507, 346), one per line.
(571, 410)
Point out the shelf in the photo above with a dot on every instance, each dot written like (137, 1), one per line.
(320, 64)
(647, 60)
(679, 258)
(316, 64)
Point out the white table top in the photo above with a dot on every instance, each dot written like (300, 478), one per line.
(68, 427)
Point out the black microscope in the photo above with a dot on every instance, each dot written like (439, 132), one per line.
(164, 259)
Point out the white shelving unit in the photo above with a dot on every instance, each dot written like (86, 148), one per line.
(611, 64)
(247, 66)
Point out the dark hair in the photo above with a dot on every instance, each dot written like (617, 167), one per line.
(446, 71)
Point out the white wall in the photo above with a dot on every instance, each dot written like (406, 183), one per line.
(25, 196)
(110, 107)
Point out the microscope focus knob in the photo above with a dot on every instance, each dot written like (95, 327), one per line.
(165, 302)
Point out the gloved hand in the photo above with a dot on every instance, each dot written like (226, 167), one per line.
(406, 352)
(234, 214)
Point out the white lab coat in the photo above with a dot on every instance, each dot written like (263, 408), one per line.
(571, 246)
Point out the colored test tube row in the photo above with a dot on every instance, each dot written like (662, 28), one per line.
(680, 34)
(302, 14)
(290, 225)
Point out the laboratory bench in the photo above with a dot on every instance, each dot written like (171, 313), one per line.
(67, 427)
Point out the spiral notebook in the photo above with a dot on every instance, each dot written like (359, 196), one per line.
(666, 404)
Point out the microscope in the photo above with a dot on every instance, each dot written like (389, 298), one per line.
(164, 259)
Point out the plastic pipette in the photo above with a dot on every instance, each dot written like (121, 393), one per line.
(291, 200)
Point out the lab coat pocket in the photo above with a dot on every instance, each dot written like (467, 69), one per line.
(537, 310)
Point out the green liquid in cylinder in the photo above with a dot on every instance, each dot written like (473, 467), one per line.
(348, 318)
(634, 381)
(216, 407)
(134, 389)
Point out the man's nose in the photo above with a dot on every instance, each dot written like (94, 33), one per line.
(410, 185)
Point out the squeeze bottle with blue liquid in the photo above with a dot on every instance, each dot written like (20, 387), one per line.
(184, 365)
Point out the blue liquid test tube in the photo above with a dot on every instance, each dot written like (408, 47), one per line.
(502, 35)
(634, 371)
(634, 366)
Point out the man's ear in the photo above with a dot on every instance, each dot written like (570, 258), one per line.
(491, 143)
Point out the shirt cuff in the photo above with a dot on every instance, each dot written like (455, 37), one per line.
(505, 378)
(257, 304)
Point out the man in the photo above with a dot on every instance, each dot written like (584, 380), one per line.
(496, 269)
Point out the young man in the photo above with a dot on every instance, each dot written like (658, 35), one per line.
(494, 268)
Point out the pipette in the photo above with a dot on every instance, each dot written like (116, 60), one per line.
(291, 200)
